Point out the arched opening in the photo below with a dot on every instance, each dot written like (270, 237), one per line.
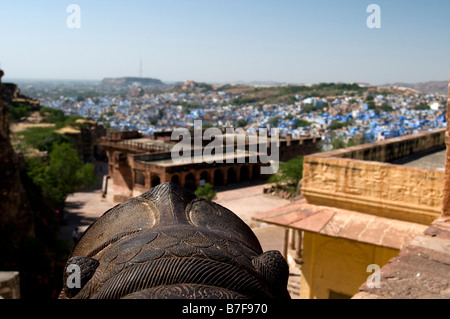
(204, 178)
(95, 151)
(255, 172)
(155, 180)
(140, 178)
(231, 176)
(189, 182)
(218, 177)
(175, 179)
(243, 174)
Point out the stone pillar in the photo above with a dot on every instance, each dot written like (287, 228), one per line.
(211, 176)
(288, 139)
(286, 243)
(238, 173)
(299, 247)
(105, 185)
(224, 176)
(133, 178)
(148, 181)
(292, 239)
(197, 178)
(446, 199)
(182, 180)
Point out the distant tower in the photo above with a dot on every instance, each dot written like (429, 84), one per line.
(140, 66)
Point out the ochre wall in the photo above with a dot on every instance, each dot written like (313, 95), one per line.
(337, 264)
(375, 188)
(339, 180)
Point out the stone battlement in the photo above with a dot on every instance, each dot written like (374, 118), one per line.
(362, 178)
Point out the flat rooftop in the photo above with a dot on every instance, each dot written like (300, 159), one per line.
(226, 158)
(429, 161)
(342, 223)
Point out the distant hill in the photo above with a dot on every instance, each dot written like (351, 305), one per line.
(249, 94)
(440, 87)
(129, 81)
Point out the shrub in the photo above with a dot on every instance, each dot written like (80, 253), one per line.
(62, 175)
(289, 174)
(206, 191)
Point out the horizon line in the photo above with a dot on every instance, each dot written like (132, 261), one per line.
(268, 82)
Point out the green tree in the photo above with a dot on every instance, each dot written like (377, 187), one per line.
(241, 123)
(422, 106)
(52, 115)
(358, 139)
(288, 175)
(307, 108)
(17, 111)
(206, 191)
(302, 123)
(369, 98)
(42, 138)
(387, 108)
(338, 143)
(334, 125)
(273, 121)
(62, 175)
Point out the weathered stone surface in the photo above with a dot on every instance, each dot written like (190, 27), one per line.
(15, 216)
(352, 179)
(446, 199)
(421, 270)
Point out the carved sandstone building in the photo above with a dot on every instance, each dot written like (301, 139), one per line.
(422, 268)
(361, 207)
(137, 163)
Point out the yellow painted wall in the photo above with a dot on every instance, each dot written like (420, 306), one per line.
(337, 264)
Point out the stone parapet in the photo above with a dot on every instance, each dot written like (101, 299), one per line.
(354, 179)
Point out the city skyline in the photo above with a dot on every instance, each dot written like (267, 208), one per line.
(219, 42)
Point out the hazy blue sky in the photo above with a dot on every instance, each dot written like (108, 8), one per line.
(227, 40)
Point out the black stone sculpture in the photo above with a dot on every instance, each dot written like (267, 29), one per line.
(168, 243)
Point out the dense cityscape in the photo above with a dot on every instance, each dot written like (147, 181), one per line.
(364, 115)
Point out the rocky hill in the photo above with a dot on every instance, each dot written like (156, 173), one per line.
(12, 94)
(130, 81)
(439, 87)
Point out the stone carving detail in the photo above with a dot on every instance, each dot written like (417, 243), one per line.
(168, 243)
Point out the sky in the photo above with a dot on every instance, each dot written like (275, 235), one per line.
(223, 41)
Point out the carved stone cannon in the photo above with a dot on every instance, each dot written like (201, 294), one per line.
(168, 243)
